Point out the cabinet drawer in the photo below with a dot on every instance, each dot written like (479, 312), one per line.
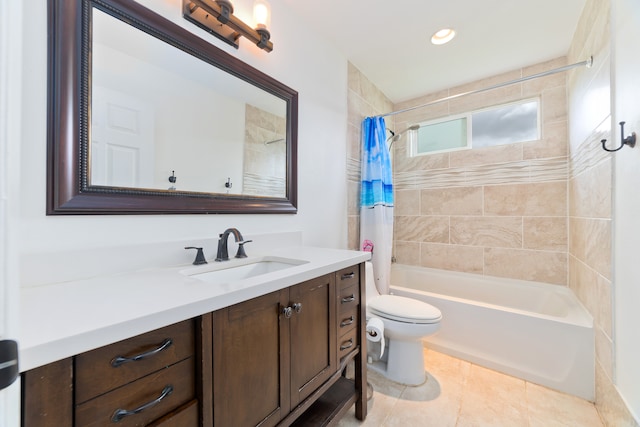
(347, 343)
(348, 299)
(349, 276)
(99, 411)
(347, 320)
(185, 416)
(98, 371)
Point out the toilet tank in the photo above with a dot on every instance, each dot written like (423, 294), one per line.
(370, 281)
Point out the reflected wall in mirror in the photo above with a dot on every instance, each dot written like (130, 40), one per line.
(160, 121)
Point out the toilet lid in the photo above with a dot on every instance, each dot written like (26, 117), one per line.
(403, 309)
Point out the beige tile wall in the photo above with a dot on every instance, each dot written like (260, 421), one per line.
(590, 189)
(364, 100)
(264, 165)
(499, 211)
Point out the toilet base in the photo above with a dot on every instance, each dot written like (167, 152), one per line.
(403, 362)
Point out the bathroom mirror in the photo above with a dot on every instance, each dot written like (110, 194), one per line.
(146, 117)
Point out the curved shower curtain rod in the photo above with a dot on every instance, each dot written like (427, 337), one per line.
(588, 63)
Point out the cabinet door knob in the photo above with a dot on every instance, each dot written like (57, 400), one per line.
(297, 307)
(287, 311)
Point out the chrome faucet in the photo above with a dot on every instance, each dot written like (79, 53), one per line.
(223, 245)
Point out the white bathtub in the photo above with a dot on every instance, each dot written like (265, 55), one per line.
(534, 331)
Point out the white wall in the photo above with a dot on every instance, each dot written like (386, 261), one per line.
(299, 59)
(10, 113)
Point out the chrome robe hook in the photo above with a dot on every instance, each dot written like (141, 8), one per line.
(629, 140)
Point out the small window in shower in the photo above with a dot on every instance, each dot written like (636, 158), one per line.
(500, 125)
(441, 136)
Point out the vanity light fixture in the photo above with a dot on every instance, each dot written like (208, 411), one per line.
(217, 18)
(443, 36)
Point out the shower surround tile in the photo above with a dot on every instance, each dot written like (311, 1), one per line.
(538, 266)
(487, 98)
(501, 232)
(405, 163)
(353, 232)
(590, 242)
(611, 407)
(353, 197)
(555, 104)
(604, 351)
(503, 199)
(545, 233)
(407, 252)
(553, 143)
(590, 191)
(538, 85)
(468, 259)
(537, 199)
(405, 202)
(526, 171)
(433, 229)
(353, 141)
(583, 281)
(363, 99)
(487, 156)
(451, 201)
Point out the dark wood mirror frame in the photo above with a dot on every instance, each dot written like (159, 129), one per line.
(68, 112)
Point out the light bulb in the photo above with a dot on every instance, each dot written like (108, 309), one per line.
(261, 14)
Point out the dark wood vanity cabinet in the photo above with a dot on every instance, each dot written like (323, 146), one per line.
(279, 359)
(275, 360)
(149, 380)
(272, 352)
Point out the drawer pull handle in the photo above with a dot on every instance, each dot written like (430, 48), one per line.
(119, 414)
(122, 360)
(347, 322)
(347, 344)
(350, 298)
(348, 276)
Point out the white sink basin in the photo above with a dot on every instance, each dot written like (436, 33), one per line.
(239, 269)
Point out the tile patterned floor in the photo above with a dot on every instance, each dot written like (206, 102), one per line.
(460, 394)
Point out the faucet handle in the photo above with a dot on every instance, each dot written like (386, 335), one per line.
(241, 253)
(199, 255)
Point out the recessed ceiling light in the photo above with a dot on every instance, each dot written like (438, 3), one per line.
(443, 36)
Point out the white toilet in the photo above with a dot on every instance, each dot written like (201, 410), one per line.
(406, 321)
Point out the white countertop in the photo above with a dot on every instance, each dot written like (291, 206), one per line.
(64, 319)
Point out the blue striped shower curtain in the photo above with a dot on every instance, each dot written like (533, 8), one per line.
(376, 200)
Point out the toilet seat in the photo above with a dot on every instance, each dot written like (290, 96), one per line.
(402, 309)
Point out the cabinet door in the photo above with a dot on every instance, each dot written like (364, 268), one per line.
(47, 399)
(313, 336)
(251, 362)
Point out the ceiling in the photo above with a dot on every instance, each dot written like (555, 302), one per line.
(389, 41)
